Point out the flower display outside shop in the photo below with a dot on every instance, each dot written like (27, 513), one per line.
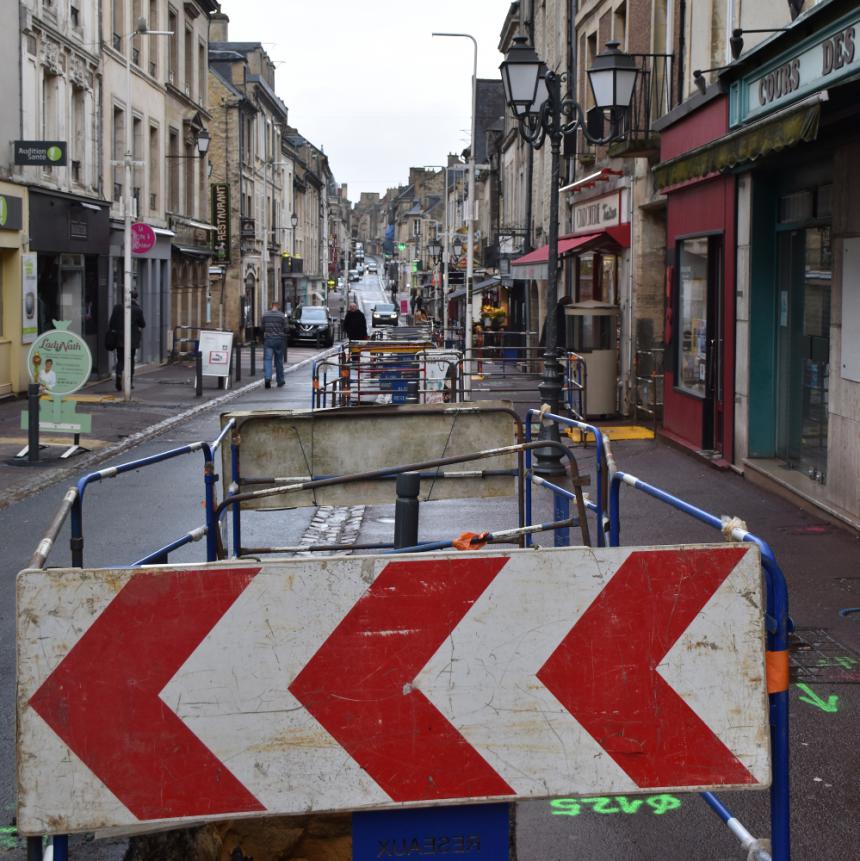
(493, 316)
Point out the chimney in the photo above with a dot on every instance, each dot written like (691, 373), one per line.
(218, 27)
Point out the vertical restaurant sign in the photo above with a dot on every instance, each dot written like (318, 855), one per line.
(221, 219)
(29, 298)
(814, 64)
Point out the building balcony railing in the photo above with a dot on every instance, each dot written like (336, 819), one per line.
(652, 97)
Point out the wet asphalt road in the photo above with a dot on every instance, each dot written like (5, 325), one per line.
(128, 517)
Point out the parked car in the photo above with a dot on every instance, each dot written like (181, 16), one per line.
(353, 275)
(384, 315)
(371, 268)
(312, 323)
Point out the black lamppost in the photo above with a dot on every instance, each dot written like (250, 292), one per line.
(434, 249)
(533, 94)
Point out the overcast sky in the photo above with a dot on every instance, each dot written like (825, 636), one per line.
(366, 81)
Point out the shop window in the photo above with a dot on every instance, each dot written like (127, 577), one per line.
(696, 259)
(585, 277)
(795, 207)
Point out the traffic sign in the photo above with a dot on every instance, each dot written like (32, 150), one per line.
(177, 694)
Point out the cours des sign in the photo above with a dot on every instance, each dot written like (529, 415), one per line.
(167, 694)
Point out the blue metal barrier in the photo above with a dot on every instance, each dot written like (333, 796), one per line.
(602, 470)
(778, 625)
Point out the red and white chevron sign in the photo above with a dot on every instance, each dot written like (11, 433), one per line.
(170, 694)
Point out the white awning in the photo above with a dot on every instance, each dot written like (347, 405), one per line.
(200, 225)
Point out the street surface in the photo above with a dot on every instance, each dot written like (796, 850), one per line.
(127, 517)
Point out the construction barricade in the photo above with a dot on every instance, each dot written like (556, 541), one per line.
(186, 742)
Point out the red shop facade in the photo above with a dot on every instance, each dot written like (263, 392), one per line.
(699, 335)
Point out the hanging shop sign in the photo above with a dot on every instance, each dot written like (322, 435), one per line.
(50, 153)
(827, 57)
(10, 212)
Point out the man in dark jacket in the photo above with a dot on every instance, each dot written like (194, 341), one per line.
(274, 341)
(116, 323)
(355, 324)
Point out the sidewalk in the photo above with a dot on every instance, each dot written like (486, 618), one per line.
(163, 395)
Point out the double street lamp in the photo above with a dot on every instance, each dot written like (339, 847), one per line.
(533, 94)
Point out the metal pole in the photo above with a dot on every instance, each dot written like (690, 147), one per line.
(548, 460)
(470, 251)
(126, 292)
(265, 254)
(33, 423)
(445, 270)
(470, 254)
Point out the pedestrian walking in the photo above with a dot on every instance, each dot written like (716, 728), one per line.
(478, 348)
(116, 336)
(355, 324)
(274, 342)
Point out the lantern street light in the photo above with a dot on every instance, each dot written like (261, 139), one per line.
(533, 94)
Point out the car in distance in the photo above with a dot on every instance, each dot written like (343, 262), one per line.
(371, 267)
(313, 323)
(353, 275)
(384, 314)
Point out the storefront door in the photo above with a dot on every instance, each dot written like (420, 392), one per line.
(700, 332)
(803, 349)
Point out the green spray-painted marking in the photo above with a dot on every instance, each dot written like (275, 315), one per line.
(830, 705)
(8, 837)
(844, 661)
(658, 804)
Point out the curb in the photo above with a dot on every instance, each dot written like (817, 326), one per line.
(96, 457)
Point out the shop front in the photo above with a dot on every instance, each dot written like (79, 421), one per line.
(588, 311)
(150, 277)
(191, 254)
(763, 364)
(70, 238)
(17, 290)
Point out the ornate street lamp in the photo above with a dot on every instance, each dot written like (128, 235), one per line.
(533, 94)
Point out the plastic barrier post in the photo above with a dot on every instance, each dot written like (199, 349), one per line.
(406, 510)
(561, 511)
(33, 422)
(198, 374)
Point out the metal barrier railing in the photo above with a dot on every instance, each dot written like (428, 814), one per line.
(191, 337)
(778, 625)
(380, 371)
(648, 384)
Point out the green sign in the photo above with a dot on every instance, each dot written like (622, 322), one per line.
(816, 63)
(401, 246)
(52, 153)
(59, 361)
(10, 212)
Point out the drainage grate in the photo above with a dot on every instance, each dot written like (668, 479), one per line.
(816, 657)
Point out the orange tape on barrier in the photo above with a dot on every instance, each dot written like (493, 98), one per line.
(467, 541)
(776, 671)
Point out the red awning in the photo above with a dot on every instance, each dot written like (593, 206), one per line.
(611, 238)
